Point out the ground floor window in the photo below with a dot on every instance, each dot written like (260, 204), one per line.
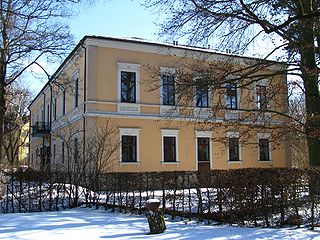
(170, 146)
(234, 149)
(129, 149)
(203, 149)
(264, 150)
(169, 149)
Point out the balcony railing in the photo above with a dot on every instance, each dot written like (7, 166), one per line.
(40, 129)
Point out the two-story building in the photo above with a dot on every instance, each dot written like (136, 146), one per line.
(135, 84)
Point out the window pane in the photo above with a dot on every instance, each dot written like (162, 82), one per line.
(203, 149)
(128, 87)
(261, 97)
(264, 150)
(168, 90)
(129, 148)
(234, 149)
(202, 96)
(231, 96)
(169, 149)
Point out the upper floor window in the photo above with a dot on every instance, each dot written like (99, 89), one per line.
(55, 100)
(168, 90)
(63, 107)
(261, 92)
(48, 113)
(202, 96)
(76, 89)
(128, 83)
(232, 98)
(128, 87)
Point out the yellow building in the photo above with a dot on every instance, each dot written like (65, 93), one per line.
(134, 84)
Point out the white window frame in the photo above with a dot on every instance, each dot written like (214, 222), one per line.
(234, 135)
(264, 136)
(75, 77)
(130, 132)
(170, 133)
(204, 134)
(168, 109)
(128, 67)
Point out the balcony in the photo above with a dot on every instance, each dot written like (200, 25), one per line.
(41, 129)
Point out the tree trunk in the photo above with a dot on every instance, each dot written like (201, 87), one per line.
(156, 221)
(2, 111)
(310, 75)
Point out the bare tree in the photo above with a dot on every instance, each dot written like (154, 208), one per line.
(31, 31)
(239, 24)
(84, 160)
(16, 116)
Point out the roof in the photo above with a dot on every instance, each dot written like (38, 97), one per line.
(144, 42)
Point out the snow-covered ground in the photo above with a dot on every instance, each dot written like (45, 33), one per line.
(84, 223)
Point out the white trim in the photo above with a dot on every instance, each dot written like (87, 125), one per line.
(170, 133)
(204, 134)
(264, 136)
(234, 135)
(130, 132)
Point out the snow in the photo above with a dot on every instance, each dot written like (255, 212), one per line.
(153, 201)
(86, 223)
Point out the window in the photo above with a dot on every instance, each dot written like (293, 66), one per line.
(54, 153)
(55, 108)
(128, 83)
(42, 115)
(62, 152)
(129, 150)
(264, 149)
(231, 96)
(128, 87)
(75, 150)
(202, 96)
(63, 102)
(76, 92)
(169, 149)
(48, 113)
(170, 146)
(234, 146)
(203, 149)
(261, 91)
(168, 90)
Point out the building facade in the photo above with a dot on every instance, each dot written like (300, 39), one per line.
(132, 86)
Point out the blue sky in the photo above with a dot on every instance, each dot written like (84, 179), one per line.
(114, 18)
(107, 18)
